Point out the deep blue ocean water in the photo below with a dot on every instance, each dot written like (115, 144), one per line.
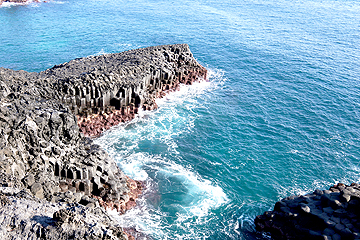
(280, 115)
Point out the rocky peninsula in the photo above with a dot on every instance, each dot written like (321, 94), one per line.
(55, 182)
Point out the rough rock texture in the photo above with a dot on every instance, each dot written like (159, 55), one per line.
(330, 214)
(44, 152)
(41, 145)
(23, 216)
(108, 89)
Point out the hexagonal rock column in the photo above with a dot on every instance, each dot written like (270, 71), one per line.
(106, 90)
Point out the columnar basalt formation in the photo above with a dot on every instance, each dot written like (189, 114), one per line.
(44, 116)
(330, 214)
(109, 89)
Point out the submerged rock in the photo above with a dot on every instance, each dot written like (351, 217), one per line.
(330, 214)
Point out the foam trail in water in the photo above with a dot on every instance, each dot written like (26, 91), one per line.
(177, 201)
(194, 202)
(11, 4)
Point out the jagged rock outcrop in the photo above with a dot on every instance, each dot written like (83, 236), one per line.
(332, 214)
(108, 89)
(44, 116)
(41, 145)
(23, 216)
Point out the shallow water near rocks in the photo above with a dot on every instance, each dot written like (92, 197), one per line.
(279, 116)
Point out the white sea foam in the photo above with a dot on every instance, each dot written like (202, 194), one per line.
(33, 3)
(196, 197)
(201, 197)
(126, 46)
(11, 4)
(58, 2)
(101, 52)
(175, 116)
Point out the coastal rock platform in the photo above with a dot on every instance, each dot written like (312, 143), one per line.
(47, 120)
(332, 214)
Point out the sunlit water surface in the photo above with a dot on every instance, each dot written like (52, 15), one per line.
(279, 116)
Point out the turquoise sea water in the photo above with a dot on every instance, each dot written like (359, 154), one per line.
(280, 114)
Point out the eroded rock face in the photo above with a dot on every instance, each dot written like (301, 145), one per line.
(41, 142)
(330, 214)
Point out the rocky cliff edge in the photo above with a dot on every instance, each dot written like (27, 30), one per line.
(51, 171)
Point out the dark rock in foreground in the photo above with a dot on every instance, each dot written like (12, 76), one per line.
(43, 119)
(23, 216)
(330, 214)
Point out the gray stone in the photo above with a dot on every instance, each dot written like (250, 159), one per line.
(315, 214)
(37, 190)
(335, 204)
(335, 219)
(326, 237)
(328, 210)
(318, 192)
(29, 180)
(305, 208)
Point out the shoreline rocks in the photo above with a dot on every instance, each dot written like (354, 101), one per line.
(332, 214)
(45, 119)
(18, 1)
(24, 216)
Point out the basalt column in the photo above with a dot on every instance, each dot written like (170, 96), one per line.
(106, 90)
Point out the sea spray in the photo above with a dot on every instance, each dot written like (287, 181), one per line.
(177, 201)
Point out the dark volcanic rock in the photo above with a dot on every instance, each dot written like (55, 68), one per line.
(43, 119)
(109, 89)
(330, 214)
(42, 146)
(23, 216)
